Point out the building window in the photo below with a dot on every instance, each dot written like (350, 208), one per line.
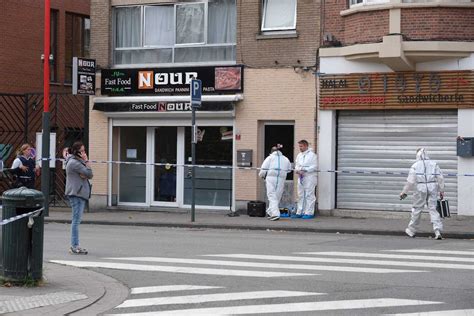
(77, 40)
(279, 15)
(366, 2)
(197, 32)
(53, 49)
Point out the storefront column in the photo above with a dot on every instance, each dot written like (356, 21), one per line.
(327, 160)
(465, 165)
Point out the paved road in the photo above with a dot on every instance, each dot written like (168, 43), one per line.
(211, 272)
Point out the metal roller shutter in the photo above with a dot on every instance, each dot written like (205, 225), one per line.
(387, 141)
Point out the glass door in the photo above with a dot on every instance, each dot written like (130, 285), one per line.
(165, 174)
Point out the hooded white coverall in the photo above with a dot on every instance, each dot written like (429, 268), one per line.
(307, 163)
(426, 179)
(274, 170)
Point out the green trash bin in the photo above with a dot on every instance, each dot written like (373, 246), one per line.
(22, 246)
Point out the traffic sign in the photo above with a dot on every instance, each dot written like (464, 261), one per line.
(196, 92)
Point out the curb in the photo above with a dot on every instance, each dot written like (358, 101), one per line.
(449, 235)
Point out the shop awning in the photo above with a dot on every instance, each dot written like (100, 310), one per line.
(171, 98)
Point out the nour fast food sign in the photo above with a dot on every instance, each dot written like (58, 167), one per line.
(171, 81)
(451, 89)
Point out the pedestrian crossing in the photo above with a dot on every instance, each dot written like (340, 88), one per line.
(298, 264)
(312, 305)
(209, 299)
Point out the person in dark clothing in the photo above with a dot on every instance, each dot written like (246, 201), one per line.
(24, 168)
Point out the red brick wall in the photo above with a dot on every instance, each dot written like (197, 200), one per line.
(333, 22)
(286, 51)
(361, 27)
(366, 27)
(21, 43)
(447, 24)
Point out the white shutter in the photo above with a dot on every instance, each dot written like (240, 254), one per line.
(387, 141)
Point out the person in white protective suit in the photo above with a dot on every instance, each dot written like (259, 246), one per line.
(426, 180)
(305, 168)
(274, 170)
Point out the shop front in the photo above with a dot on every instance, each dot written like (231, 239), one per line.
(371, 125)
(148, 114)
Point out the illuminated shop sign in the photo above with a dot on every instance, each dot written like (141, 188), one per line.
(171, 81)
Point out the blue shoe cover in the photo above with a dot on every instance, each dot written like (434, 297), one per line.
(284, 215)
(296, 216)
(307, 216)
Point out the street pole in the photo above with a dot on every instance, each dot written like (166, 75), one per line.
(193, 155)
(45, 176)
(195, 91)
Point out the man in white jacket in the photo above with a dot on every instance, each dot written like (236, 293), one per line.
(426, 180)
(306, 167)
(274, 170)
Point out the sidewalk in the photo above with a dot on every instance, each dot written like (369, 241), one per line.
(454, 227)
(66, 290)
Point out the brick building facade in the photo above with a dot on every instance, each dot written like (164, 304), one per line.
(21, 80)
(22, 29)
(276, 102)
(396, 75)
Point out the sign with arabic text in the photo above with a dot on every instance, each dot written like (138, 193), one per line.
(453, 89)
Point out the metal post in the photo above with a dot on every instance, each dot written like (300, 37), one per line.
(85, 138)
(193, 155)
(46, 115)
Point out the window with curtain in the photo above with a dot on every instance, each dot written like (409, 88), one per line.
(279, 15)
(367, 2)
(77, 40)
(186, 32)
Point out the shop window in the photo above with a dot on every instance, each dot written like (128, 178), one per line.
(279, 15)
(366, 2)
(77, 40)
(179, 33)
(214, 148)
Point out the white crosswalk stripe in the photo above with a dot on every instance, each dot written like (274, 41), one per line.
(204, 298)
(292, 307)
(435, 251)
(387, 256)
(170, 288)
(187, 270)
(454, 312)
(410, 264)
(268, 265)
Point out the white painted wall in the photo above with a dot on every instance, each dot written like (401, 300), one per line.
(447, 64)
(339, 65)
(327, 160)
(466, 165)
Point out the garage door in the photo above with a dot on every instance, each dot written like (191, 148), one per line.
(387, 141)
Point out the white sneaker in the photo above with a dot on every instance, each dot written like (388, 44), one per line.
(274, 218)
(438, 235)
(409, 233)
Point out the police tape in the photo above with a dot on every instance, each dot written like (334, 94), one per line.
(170, 165)
(15, 218)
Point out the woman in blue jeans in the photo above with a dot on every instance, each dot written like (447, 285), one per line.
(78, 190)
